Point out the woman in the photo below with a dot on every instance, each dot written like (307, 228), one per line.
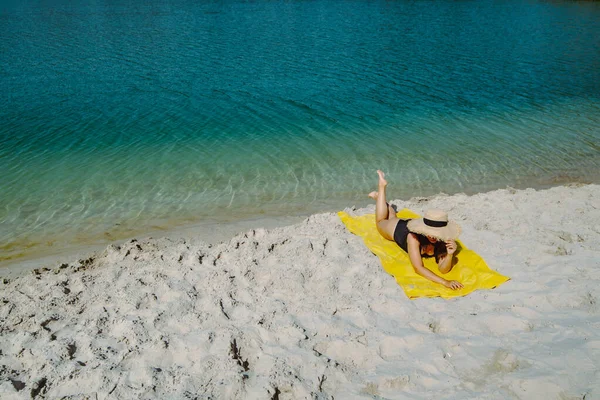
(431, 236)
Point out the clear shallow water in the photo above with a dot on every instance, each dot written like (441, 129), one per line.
(121, 117)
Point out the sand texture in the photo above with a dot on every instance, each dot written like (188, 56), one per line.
(307, 312)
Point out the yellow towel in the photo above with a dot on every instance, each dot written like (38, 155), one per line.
(470, 269)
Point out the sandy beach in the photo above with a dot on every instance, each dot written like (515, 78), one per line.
(307, 312)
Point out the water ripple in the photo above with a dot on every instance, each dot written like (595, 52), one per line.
(120, 118)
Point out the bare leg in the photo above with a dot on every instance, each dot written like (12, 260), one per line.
(391, 210)
(385, 216)
(381, 207)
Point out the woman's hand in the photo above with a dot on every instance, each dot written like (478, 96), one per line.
(454, 285)
(451, 246)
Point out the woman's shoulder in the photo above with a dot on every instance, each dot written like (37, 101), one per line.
(413, 236)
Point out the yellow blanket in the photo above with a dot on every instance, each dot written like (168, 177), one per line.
(470, 269)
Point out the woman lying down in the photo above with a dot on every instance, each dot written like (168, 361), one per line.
(431, 236)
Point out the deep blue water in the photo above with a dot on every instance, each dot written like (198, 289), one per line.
(120, 116)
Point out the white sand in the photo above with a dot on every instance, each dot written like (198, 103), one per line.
(306, 311)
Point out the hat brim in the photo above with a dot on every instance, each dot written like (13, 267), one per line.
(448, 232)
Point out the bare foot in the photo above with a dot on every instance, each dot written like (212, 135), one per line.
(374, 195)
(382, 181)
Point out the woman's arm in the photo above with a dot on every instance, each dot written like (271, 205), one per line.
(414, 254)
(446, 260)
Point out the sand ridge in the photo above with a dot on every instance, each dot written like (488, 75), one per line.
(306, 311)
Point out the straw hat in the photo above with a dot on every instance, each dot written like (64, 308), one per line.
(435, 223)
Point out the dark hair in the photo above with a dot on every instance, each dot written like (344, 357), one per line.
(439, 247)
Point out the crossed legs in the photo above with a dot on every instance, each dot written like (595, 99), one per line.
(385, 215)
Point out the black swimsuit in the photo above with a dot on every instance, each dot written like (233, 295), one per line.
(401, 233)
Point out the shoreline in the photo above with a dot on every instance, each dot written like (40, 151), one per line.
(218, 232)
(307, 311)
(210, 232)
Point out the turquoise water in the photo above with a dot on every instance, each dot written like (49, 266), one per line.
(120, 117)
